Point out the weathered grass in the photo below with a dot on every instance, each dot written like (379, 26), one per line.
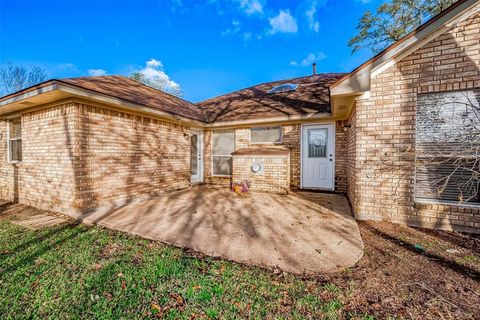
(75, 271)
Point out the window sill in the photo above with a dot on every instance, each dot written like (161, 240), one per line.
(267, 143)
(220, 176)
(449, 204)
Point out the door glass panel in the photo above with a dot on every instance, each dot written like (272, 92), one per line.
(317, 143)
(194, 154)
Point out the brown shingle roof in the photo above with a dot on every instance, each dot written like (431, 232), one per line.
(133, 91)
(312, 96)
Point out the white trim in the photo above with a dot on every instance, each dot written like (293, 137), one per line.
(75, 92)
(359, 79)
(29, 94)
(333, 124)
(125, 104)
(202, 157)
(217, 125)
(201, 161)
(9, 158)
(8, 141)
(419, 42)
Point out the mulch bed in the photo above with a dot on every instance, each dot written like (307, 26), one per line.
(413, 273)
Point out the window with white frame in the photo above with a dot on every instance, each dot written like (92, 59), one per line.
(223, 144)
(447, 160)
(266, 135)
(14, 140)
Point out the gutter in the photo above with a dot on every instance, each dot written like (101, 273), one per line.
(125, 104)
(414, 36)
(293, 118)
(78, 92)
(29, 94)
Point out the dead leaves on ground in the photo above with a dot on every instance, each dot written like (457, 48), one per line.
(175, 301)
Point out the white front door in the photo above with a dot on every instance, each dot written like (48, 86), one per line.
(196, 152)
(318, 156)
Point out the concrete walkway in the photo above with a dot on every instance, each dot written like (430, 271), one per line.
(299, 233)
(40, 221)
(30, 217)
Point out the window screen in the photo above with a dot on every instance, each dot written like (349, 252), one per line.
(448, 147)
(223, 144)
(15, 140)
(266, 135)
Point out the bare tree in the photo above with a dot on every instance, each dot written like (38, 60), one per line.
(392, 20)
(160, 83)
(16, 77)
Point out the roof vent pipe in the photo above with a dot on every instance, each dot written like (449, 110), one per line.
(314, 68)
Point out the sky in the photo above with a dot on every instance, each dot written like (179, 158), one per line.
(204, 47)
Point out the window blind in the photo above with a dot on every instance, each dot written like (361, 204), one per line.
(447, 163)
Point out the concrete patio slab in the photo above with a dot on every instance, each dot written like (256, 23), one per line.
(300, 233)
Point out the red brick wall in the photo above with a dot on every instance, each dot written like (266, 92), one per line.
(340, 157)
(77, 156)
(291, 135)
(291, 140)
(351, 158)
(44, 178)
(126, 155)
(385, 129)
(274, 177)
(6, 170)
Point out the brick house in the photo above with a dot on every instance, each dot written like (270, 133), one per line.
(398, 135)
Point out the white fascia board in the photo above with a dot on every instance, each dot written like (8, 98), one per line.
(359, 81)
(29, 94)
(423, 37)
(320, 116)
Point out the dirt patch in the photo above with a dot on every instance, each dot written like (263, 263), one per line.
(413, 273)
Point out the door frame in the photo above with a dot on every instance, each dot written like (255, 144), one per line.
(332, 124)
(200, 160)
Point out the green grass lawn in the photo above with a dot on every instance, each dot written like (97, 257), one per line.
(75, 271)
